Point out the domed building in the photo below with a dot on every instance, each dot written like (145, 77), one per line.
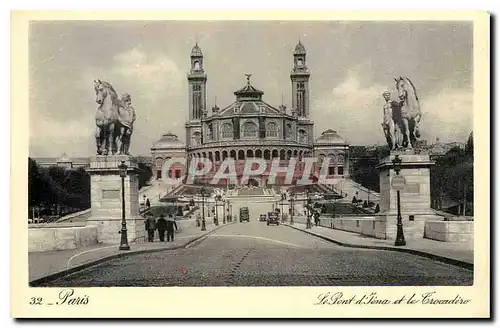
(168, 147)
(249, 127)
(331, 145)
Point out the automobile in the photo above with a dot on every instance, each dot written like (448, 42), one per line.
(263, 217)
(244, 214)
(272, 218)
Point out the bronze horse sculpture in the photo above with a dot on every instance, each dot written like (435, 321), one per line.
(113, 120)
(106, 117)
(407, 112)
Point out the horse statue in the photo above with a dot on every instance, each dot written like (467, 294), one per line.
(409, 108)
(106, 117)
(114, 120)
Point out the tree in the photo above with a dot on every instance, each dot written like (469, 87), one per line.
(145, 173)
(453, 176)
(57, 190)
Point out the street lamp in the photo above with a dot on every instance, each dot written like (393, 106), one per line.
(216, 219)
(400, 237)
(223, 211)
(283, 197)
(308, 200)
(292, 199)
(203, 223)
(124, 240)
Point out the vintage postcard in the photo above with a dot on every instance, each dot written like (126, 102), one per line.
(250, 165)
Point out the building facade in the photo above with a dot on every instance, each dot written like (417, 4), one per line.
(252, 128)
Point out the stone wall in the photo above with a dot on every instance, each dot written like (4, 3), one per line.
(51, 237)
(450, 231)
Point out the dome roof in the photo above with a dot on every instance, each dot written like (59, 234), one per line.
(196, 51)
(331, 137)
(64, 159)
(299, 49)
(169, 140)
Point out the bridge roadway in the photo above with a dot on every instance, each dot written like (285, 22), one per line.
(254, 254)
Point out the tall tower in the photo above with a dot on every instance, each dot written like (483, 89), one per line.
(300, 82)
(197, 82)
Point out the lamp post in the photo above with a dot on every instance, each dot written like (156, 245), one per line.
(224, 211)
(124, 240)
(308, 225)
(216, 219)
(283, 197)
(230, 212)
(400, 237)
(292, 199)
(203, 223)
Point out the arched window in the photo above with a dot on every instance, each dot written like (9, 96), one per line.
(332, 158)
(321, 158)
(227, 130)
(159, 163)
(196, 138)
(250, 129)
(272, 130)
(258, 153)
(340, 159)
(210, 132)
(289, 134)
(302, 136)
(196, 65)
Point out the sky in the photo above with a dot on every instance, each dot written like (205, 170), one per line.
(351, 64)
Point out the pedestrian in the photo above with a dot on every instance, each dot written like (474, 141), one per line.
(316, 218)
(161, 225)
(148, 204)
(170, 227)
(150, 225)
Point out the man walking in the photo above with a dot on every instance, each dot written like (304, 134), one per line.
(150, 225)
(161, 225)
(170, 227)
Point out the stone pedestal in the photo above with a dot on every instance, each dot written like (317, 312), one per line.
(415, 197)
(106, 199)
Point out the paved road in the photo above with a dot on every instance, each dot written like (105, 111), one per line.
(254, 254)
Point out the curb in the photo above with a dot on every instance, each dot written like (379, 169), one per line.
(60, 274)
(447, 260)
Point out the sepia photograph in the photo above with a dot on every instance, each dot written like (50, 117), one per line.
(327, 153)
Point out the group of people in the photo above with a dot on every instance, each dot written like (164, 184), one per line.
(162, 225)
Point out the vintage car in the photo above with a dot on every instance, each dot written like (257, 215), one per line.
(272, 218)
(263, 217)
(244, 214)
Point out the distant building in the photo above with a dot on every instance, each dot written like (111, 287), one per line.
(62, 161)
(439, 148)
(168, 147)
(72, 163)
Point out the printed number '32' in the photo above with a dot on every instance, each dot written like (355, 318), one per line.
(36, 301)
